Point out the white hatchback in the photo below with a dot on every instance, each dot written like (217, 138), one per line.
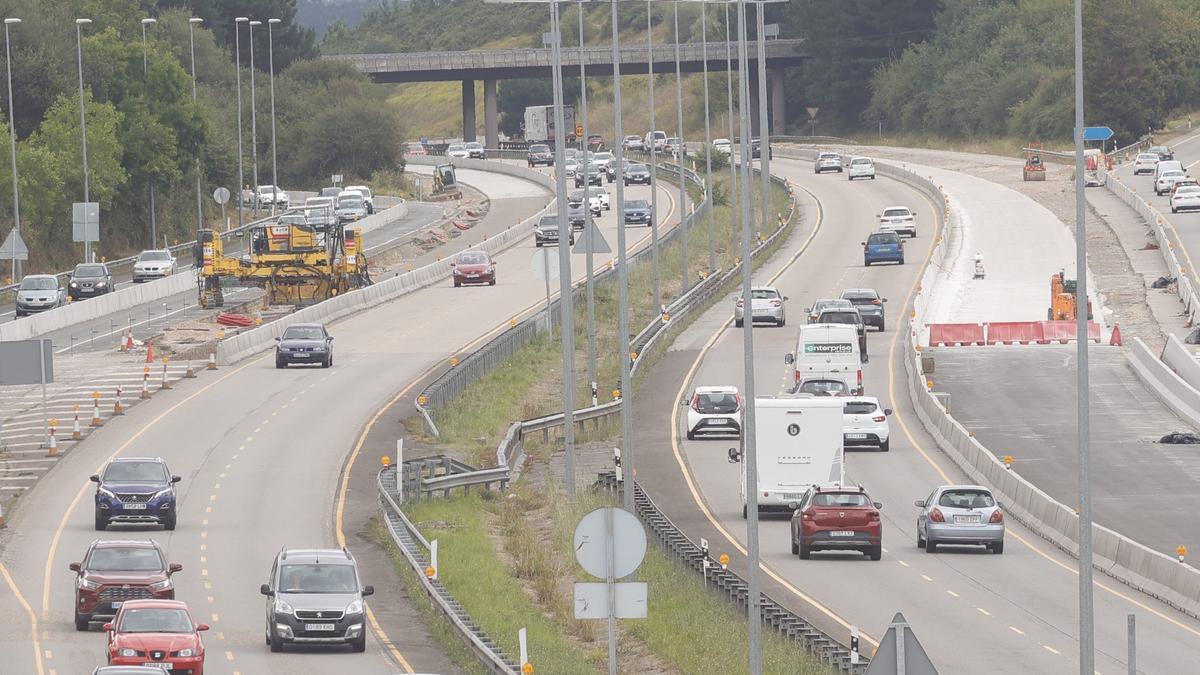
(1186, 198)
(865, 423)
(1145, 163)
(1167, 179)
(714, 410)
(898, 219)
(861, 167)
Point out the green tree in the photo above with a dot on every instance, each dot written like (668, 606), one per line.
(355, 138)
(292, 41)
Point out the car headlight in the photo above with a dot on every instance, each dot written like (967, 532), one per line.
(165, 492)
(161, 585)
(86, 584)
(74, 284)
(186, 652)
(282, 607)
(355, 607)
(106, 492)
(126, 651)
(101, 284)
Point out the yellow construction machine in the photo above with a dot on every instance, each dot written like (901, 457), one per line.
(296, 263)
(1062, 299)
(1035, 168)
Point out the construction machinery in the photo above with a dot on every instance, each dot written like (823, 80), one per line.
(445, 184)
(1062, 299)
(296, 263)
(1035, 168)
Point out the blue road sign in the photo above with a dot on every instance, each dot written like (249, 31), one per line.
(1097, 133)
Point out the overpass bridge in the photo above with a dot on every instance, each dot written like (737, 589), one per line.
(492, 65)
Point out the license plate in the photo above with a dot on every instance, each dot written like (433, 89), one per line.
(856, 436)
(300, 356)
(161, 665)
(841, 533)
(318, 626)
(135, 507)
(790, 496)
(966, 520)
(472, 276)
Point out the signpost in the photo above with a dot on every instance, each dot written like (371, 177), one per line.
(610, 544)
(545, 267)
(221, 196)
(28, 362)
(85, 224)
(592, 241)
(1097, 133)
(812, 120)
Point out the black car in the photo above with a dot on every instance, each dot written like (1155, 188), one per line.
(90, 279)
(613, 169)
(314, 598)
(595, 174)
(636, 173)
(850, 317)
(540, 154)
(638, 212)
(577, 216)
(1164, 153)
(869, 305)
(135, 490)
(304, 343)
(546, 231)
(756, 150)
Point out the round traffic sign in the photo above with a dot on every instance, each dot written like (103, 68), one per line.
(627, 539)
(221, 195)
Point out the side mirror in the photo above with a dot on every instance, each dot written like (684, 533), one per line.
(266, 590)
(175, 479)
(683, 402)
(789, 358)
(920, 503)
(107, 626)
(885, 299)
(174, 567)
(735, 456)
(863, 243)
(454, 264)
(878, 505)
(201, 626)
(94, 478)
(368, 590)
(75, 567)
(785, 298)
(887, 411)
(277, 338)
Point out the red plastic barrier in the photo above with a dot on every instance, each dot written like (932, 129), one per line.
(234, 320)
(1015, 332)
(955, 334)
(1063, 332)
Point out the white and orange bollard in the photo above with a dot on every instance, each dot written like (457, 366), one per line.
(76, 433)
(212, 360)
(166, 384)
(146, 382)
(52, 450)
(117, 408)
(96, 421)
(189, 372)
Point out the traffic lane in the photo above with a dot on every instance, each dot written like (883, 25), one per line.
(239, 397)
(1186, 224)
(1025, 595)
(1026, 411)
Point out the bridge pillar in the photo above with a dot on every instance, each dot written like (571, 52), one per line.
(491, 119)
(468, 109)
(778, 115)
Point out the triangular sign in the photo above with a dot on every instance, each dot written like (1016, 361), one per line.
(812, 112)
(591, 240)
(14, 247)
(899, 642)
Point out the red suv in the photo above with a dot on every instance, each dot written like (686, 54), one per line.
(156, 633)
(113, 572)
(837, 517)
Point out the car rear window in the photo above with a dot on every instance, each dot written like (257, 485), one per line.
(883, 238)
(966, 499)
(840, 499)
(764, 293)
(861, 161)
(859, 408)
(716, 403)
(839, 317)
(822, 388)
(860, 298)
(124, 559)
(1173, 173)
(895, 213)
(1147, 155)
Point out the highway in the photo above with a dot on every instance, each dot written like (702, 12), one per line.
(973, 611)
(260, 452)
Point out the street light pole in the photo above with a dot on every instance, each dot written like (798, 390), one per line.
(271, 70)
(712, 216)
(680, 153)
(653, 163)
(254, 120)
(237, 46)
(79, 23)
(12, 144)
(622, 283)
(764, 147)
(591, 296)
(192, 47)
(734, 193)
(145, 76)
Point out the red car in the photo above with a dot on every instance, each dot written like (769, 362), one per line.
(837, 517)
(159, 634)
(113, 572)
(474, 267)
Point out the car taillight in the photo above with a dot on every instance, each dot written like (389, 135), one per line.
(696, 403)
(860, 379)
(776, 303)
(997, 517)
(873, 516)
(879, 418)
(936, 516)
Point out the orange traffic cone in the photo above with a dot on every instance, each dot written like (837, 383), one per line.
(149, 352)
(1115, 339)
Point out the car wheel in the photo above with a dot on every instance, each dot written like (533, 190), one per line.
(169, 523)
(691, 435)
(872, 176)
(537, 244)
(885, 446)
(881, 326)
(781, 323)
(795, 548)
(457, 283)
(492, 282)
(101, 521)
(280, 364)
(803, 551)
(876, 552)
(866, 263)
(920, 540)
(744, 516)
(276, 642)
(81, 621)
(327, 362)
(1174, 210)
(930, 546)
(359, 645)
(997, 547)
(902, 261)
(18, 313)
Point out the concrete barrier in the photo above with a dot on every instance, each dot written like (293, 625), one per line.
(532, 175)
(1177, 355)
(1162, 379)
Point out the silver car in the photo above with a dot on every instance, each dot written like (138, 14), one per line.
(819, 306)
(828, 161)
(960, 514)
(767, 304)
(154, 264)
(39, 292)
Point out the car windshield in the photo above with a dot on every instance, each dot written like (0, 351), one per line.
(716, 403)
(1160, 149)
(883, 238)
(834, 316)
(317, 578)
(472, 259)
(548, 221)
(303, 333)
(637, 204)
(604, 156)
(539, 148)
(966, 499)
(155, 620)
(124, 559)
(154, 255)
(39, 284)
(350, 201)
(840, 499)
(318, 202)
(822, 387)
(764, 294)
(144, 472)
(859, 408)
(90, 270)
(576, 196)
(637, 167)
(475, 146)
(267, 188)
(895, 213)
(1172, 174)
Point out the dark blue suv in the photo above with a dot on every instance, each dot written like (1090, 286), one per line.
(883, 247)
(136, 490)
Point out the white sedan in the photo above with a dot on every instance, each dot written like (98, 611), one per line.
(898, 219)
(723, 146)
(1168, 178)
(1145, 163)
(714, 410)
(1186, 198)
(865, 423)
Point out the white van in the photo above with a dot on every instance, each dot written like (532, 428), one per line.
(1170, 165)
(798, 443)
(828, 351)
(656, 139)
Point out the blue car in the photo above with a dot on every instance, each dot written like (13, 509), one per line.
(135, 490)
(883, 247)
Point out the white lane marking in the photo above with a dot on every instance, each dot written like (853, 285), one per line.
(1016, 630)
(983, 611)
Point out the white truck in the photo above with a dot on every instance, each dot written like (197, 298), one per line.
(798, 442)
(824, 352)
(539, 123)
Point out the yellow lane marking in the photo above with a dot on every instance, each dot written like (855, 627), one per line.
(228, 656)
(33, 620)
(1050, 649)
(983, 611)
(926, 577)
(902, 563)
(952, 594)
(1016, 630)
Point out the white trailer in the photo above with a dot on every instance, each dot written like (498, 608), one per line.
(539, 123)
(798, 439)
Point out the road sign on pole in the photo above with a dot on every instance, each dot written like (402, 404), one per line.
(812, 112)
(579, 131)
(85, 221)
(591, 241)
(900, 652)
(610, 543)
(221, 195)
(14, 247)
(1097, 133)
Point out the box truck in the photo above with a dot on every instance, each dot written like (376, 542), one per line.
(539, 123)
(798, 442)
(828, 351)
